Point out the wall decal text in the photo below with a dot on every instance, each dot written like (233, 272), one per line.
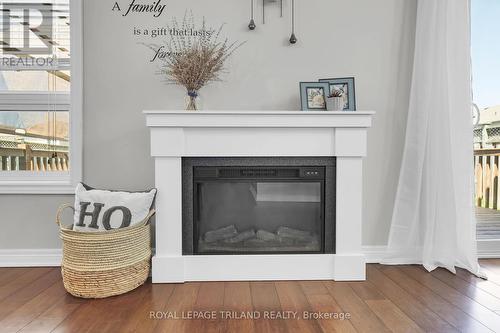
(156, 8)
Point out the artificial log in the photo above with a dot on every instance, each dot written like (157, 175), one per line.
(265, 235)
(221, 234)
(295, 234)
(248, 234)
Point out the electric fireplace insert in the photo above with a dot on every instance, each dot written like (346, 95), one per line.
(258, 205)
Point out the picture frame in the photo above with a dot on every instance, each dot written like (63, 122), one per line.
(313, 95)
(346, 84)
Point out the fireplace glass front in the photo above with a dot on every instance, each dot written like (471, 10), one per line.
(258, 209)
(258, 206)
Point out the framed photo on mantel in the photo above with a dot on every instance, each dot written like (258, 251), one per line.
(313, 96)
(345, 87)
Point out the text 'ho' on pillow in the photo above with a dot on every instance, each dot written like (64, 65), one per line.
(99, 210)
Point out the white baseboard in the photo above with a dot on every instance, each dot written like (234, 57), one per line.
(374, 253)
(30, 257)
(486, 248)
(52, 257)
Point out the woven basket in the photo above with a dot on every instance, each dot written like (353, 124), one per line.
(105, 263)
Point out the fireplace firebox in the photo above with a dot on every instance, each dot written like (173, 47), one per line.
(262, 205)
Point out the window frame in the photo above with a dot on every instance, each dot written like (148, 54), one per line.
(54, 182)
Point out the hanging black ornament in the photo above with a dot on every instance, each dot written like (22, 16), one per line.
(252, 25)
(293, 38)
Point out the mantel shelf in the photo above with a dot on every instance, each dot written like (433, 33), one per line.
(259, 112)
(259, 118)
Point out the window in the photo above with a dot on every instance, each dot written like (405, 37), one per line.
(40, 96)
(485, 52)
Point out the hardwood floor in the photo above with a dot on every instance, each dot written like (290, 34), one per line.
(392, 299)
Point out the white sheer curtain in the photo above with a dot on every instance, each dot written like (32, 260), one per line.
(433, 221)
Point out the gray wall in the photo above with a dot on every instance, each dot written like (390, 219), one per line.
(371, 40)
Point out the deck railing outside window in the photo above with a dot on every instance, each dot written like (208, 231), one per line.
(486, 174)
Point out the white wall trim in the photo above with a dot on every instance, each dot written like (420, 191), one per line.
(30, 257)
(53, 257)
(486, 248)
(374, 253)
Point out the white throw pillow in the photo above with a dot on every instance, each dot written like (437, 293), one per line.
(99, 210)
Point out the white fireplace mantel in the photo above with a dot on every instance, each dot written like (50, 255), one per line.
(177, 134)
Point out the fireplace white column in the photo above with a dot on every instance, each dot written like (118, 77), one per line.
(177, 134)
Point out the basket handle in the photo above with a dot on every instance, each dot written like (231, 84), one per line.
(60, 210)
(148, 217)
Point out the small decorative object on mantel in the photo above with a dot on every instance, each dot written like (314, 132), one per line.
(196, 59)
(334, 101)
(346, 86)
(313, 96)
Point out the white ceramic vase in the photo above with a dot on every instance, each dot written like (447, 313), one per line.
(334, 103)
